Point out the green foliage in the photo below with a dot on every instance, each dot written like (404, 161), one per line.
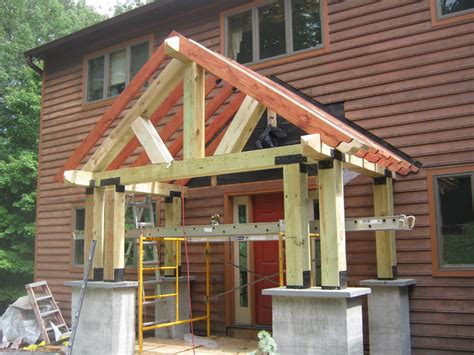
(127, 5)
(24, 24)
(266, 344)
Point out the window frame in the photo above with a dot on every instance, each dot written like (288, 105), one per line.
(73, 235)
(290, 55)
(437, 19)
(437, 269)
(106, 54)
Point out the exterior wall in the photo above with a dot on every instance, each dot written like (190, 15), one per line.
(405, 80)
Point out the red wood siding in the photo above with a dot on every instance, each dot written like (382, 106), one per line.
(405, 80)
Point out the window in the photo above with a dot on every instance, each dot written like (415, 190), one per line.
(78, 235)
(274, 29)
(108, 74)
(453, 218)
(446, 8)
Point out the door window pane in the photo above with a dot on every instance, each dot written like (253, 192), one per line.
(271, 25)
(117, 74)
(138, 57)
(95, 79)
(239, 41)
(448, 7)
(78, 235)
(455, 219)
(307, 31)
(243, 257)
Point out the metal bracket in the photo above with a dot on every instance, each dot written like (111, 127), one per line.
(290, 159)
(89, 190)
(325, 164)
(110, 181)
(380, 180)
(175, 194)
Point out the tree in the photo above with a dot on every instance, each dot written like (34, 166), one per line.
(126, 5)
(24, 24)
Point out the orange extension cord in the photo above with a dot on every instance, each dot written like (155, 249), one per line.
(187, 265)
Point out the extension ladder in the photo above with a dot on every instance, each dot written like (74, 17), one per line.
(46, 309)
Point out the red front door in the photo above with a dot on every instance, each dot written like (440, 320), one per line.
(266, 208)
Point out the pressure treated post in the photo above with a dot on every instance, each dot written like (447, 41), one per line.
(114, 234)
(194, 112)
(98, 232)
(297, 243)
(333, 234)
(88, 224)
(385, 240)
(172, 219)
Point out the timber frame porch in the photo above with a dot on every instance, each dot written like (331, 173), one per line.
(214, 133)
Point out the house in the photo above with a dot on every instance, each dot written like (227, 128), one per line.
(400, 70)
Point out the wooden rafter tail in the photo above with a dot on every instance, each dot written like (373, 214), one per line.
(138, 81)
(156, 93)
(155, 118)
(175, 122)
(256, 86)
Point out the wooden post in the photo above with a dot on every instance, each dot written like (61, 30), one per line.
(385, 240)
(172, 219)
(88, 225)
(295, 185)
(333, 234)
(98, 232)
(114, 234)
(194, 112)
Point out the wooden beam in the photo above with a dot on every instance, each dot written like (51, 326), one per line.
(151, 141)
(88, 225)
(385, 240)
(119, 104)
(315, 149)
(156, 93)
(176, 121)
(182, 169)
(83, 178)
(172, 211)
(194, 118)
(297, 243)
(241, 127)
(332, 225)
(155, 118)
(98, 233)
(114, 234)
(271, 118)
(287, 104)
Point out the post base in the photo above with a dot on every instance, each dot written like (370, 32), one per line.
(389, 316)
(107, 320)
(316, 321)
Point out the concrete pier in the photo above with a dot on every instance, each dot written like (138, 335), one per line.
(389, 316)
(317, 321)
(107, 320)
(166, 309)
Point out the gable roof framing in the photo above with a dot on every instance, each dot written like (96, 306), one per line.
(240, 96)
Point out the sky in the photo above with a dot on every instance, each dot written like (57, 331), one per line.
(104, 7)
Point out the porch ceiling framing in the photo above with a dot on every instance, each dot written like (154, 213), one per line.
(212, 142)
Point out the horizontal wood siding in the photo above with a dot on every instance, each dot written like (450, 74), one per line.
(405, 80)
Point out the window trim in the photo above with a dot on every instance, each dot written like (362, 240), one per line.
(106, 53)
(283, 58)
(437, 269)
(438, 20)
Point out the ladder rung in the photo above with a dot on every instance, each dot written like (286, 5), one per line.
(155, 323)
(48, 313)
(36, 284)
(146, 303)
(159, 268)
(150, 262)
(43, 298)
(59, 326)
(154, 297)
(145, 224)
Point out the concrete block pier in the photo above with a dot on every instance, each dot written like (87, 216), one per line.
(317, 321)
(107, 320)
(389, 316)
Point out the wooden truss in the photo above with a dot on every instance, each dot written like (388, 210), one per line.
(222, 102)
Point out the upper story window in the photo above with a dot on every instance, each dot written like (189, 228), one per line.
(109, 73)
(276, 28)
(446, 8)
(453, 219)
